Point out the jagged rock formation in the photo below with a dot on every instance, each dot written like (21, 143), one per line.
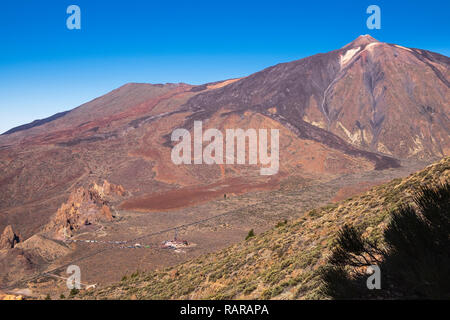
(8, 238)
(85, 206)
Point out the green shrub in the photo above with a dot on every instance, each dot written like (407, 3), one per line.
(250, 234)
(415, 262)
(74, 292)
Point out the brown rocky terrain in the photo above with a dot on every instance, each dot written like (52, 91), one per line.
(83, 208)
(8, 239)
(376, 96)
(357, 116)
(28, 257)
(86, 207)
(283, 262)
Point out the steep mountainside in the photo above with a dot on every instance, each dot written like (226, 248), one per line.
(126, 133)
(376, 96)
(281, 263)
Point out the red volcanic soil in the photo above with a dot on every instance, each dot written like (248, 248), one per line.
(347, 192)
(190, 196)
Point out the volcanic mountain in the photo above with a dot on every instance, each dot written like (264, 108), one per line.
(376, 96)
(367, 106)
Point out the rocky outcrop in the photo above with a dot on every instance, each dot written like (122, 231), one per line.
(27, 256)
(109, 190)
(9, 238)
(84, 207)
(4, 296)
(43, 248)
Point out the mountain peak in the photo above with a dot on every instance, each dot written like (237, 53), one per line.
(362, 40)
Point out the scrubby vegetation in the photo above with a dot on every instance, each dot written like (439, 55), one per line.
(414, 260)
(286, 261)
(250, 234)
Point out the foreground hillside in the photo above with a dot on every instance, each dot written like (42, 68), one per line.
(281, 263)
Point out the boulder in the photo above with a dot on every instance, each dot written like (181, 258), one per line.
(9, 238)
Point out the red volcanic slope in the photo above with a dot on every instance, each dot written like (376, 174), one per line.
(357, 108)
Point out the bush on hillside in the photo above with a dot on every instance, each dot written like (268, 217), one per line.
(414, 261)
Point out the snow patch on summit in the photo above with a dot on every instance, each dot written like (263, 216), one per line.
(403, 48)
(348, 55)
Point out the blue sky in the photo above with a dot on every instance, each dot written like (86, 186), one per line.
(46, 68)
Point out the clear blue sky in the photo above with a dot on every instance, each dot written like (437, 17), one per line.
(46, 68)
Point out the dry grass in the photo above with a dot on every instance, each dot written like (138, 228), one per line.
(281, 263)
